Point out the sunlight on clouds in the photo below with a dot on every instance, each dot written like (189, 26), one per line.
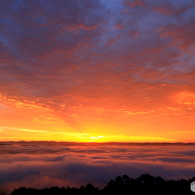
(130, 113)
(123, 138)
(30, 105)
(174, 109)
(49, 119)
(30, 134)
(98, 78)
(183, 104)
(25, 104)
(185, 97)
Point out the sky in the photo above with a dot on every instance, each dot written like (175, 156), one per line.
(97, 70)
(64, 164)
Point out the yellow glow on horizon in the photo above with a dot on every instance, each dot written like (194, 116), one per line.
(43, 135)
(31, 120)
(123, 138)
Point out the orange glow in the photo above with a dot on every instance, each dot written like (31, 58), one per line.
(41, 135)
(95, 89)
(63, 78)
(185, 97)
(31, 120)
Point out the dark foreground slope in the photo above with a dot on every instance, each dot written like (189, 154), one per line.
(121, 185)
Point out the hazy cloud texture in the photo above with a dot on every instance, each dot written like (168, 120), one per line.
(38, 165)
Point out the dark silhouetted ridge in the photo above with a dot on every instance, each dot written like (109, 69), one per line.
(145, 184)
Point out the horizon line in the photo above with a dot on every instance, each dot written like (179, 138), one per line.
(110, 142)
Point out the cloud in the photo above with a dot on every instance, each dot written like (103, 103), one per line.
(74, 164)
(81, 56)
(95, 58)
(172, 8)
(135, 3)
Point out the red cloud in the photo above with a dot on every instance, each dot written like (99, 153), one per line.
(169, 9)
(135, 3)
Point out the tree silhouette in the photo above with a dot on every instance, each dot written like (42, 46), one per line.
(144, 184)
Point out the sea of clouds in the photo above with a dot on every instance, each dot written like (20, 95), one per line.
(46, 164)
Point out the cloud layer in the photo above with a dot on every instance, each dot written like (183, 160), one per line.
(45, 164)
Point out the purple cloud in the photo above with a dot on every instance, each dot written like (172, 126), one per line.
(79, 164)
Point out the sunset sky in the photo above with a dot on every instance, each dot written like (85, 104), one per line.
(97, 70)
